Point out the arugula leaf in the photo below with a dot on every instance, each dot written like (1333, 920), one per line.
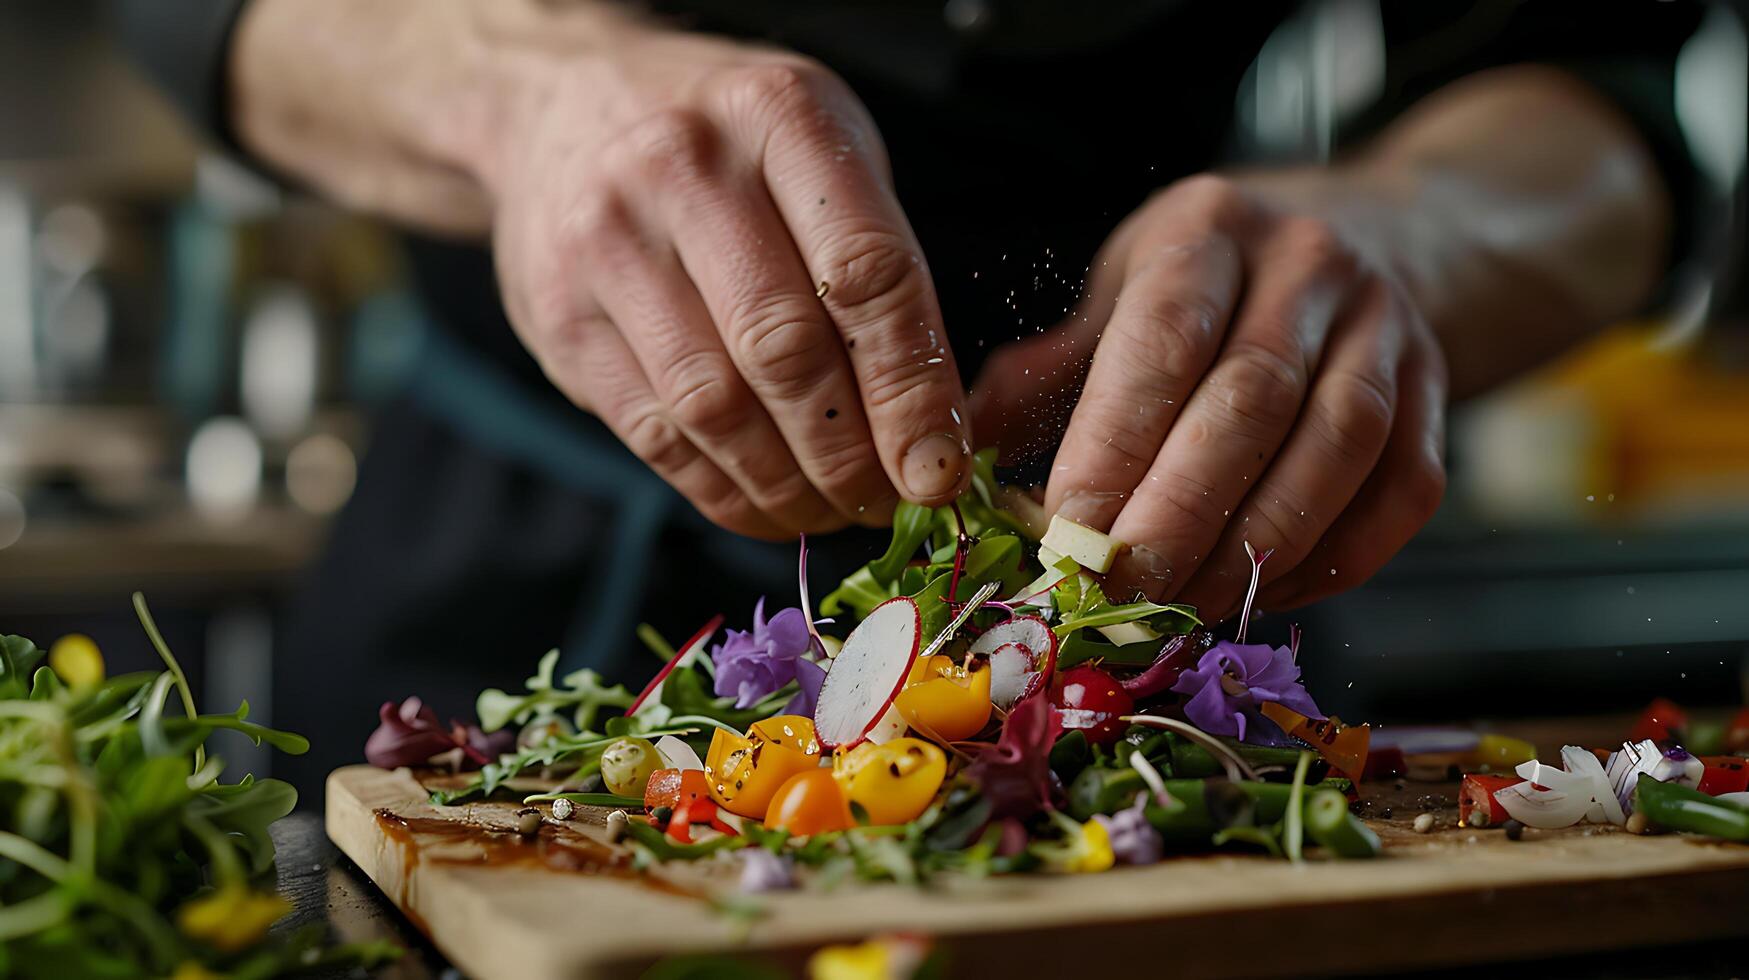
(247, 810)
(860, 592)
(1090, 609)
(581, 691)
(18, 657)
(287, 742)
(911, 525)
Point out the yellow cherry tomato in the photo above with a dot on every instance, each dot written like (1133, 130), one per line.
(895, 782)
(944, 700)
(76, 660)
(809, 803)
(743, 771)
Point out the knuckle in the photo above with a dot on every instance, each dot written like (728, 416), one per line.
(1220, 200)
(873, 273)
(702, 401)
(655, 439)
(1292, 524)
(779, 348)
(1315, 242)
(591, 223)
(1354, 421)
(1187, 500)
(1171, 337)
(778, 86)
(671, 142)
(1263, 389)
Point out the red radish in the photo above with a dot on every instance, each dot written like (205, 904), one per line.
(655, 684)
(867, 673)
(1092, 700)
(1022, 653)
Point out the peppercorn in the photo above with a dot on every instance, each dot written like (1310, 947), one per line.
(563, 808)
(528, 821)
(1514, 830)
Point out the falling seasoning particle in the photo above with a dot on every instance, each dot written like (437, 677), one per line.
(823, 289)
(831, 413)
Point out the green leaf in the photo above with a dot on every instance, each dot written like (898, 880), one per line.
(247, 810)
(1090, 610)
(156, 786)
(580, 691)
(684, 692)
(911, 524)
(287, 742)
(589, 799)
(44, 685)
(18, 657)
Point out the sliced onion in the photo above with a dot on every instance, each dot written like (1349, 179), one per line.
(676, 754)
(1545, 809)
(1581, 762)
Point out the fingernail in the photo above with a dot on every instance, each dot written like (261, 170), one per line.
(1094, 508)
(934, 466)
(1140, 572)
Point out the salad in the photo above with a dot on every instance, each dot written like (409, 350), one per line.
(970, 700)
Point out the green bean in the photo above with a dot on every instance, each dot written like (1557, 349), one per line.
(1340, 832)
(1675, 807)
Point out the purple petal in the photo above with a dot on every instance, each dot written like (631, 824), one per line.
(759, 616)
(1295, 698)
(788, 633)
(1239, 722)
(809, 677)
(1211, 711)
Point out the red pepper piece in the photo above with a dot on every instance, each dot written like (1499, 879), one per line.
(1662, 721)
(1724, 774)
(1737, 733)
(1386, 763)
(1477, 806)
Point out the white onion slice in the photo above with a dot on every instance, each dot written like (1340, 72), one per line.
(1580, 761)
(1545, 809)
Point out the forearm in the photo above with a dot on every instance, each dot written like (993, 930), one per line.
(1517, 208)
(393, 106)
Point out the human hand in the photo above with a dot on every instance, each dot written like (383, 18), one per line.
(698, 241)
(1253, 377)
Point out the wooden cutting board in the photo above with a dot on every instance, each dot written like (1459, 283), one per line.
(565, 905)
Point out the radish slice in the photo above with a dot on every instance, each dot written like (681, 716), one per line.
(1032, 638)
(696, 643)
(867, 674)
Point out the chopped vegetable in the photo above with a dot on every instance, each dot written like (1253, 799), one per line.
(895, 782)
(1091, 701)
(627, 764)
(744, 772)
(1092, 550)
(867, 674)
(809, 803)
(1336, 829)
(945, 700)
(1675, 807)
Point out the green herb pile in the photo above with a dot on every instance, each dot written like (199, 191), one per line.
(122, 852)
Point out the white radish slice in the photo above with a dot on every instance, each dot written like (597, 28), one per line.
(1010, 673)
(1027, 635)
(677, 754)
(867, 674)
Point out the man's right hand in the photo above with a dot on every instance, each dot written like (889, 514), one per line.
(698, 241)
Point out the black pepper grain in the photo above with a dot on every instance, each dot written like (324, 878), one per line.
(1514, 830)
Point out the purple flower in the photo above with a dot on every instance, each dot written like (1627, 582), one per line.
(1133, 839)
(1233, 679)
(750, 666)
(763, 871)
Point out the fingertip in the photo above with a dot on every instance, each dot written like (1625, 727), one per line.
(936, 469)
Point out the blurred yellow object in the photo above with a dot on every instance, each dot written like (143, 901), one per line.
(232, 917)
(1499, 753)
(76, 660)
(881, 958)
(193, 970)
(1633, 425)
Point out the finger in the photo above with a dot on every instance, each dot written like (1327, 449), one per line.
(737, 250)
(1164, 330)
(1334, 445)
(646, 293)
(600, 373)
(1397, 500)
(827, 176)
(1240, 413)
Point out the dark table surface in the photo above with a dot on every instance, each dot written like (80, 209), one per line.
(324, 885)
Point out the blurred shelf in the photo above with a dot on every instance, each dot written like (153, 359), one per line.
(177, 554)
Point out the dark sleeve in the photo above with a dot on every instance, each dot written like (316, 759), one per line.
(1626, 51)
(182, 46)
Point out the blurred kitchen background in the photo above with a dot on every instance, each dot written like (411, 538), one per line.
(189, 357)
